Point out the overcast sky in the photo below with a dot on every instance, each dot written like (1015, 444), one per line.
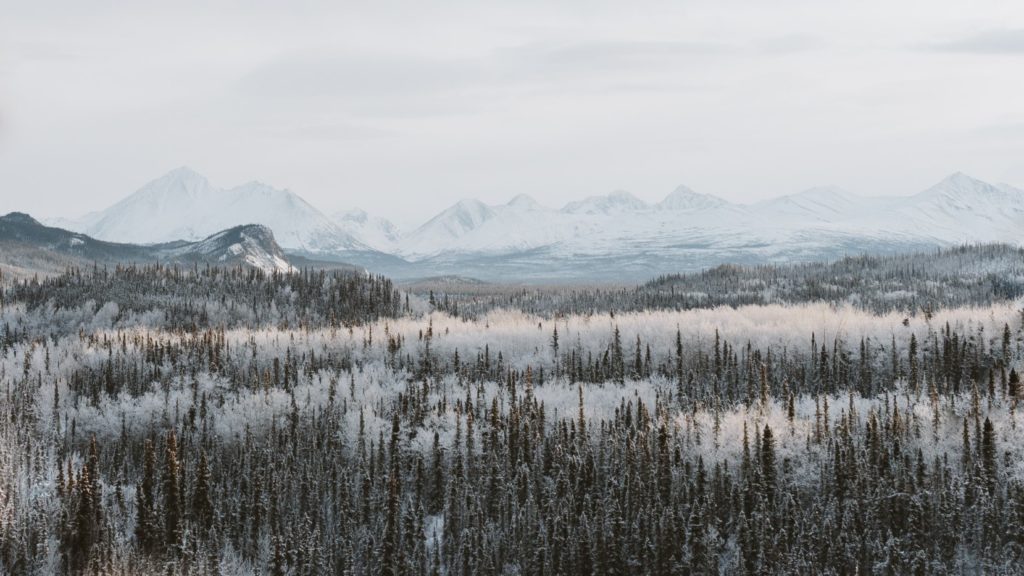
(402, 108)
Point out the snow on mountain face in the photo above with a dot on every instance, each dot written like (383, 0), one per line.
(1009, 189)
(683, 198)
(961, 209)
(377, 233)
(597, 223)
(524, 202)
(471, 226)
(252, 244)
(617, 201)
(182, 205)
(824, 221)
(464, 216)
(161, 211)
(822, 204)
(447, 227)
(296, 224)
(961, 192)
(684, 230)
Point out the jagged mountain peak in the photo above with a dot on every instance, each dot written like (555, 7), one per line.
(252, 244)
(524, 202)
(465, 214)
(963, 186)
(183, 172)
(257, 232)
(19, 218)
(451, 224)
(182, 180)
(684, 198)
(961, 178)
(183, 205)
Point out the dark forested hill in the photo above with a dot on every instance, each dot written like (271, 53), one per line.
(202, 297)
(27, 246)
(913, 283)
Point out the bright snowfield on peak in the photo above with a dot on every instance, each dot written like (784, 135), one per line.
(957, 210)
(373, 231)
(183, 205)
(687, 230)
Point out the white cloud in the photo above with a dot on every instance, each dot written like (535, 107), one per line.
(996, 41)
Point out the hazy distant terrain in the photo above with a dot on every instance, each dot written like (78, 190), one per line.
(610, 238)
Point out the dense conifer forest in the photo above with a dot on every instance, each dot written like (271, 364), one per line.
(224, 421)
(913, 283)
(202, 297)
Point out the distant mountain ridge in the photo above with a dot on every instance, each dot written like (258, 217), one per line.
(614, 236)
(957, 210)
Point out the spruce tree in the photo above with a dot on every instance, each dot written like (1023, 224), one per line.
(988, 455)
(171, 494)
(768, 471)
(147, 531)
(390, 554)
(202, 505)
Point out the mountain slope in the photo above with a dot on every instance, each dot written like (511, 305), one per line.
(683, 198)
(822, 204)
(183, 205)
(372, 231)
(615, 236)
(442, 232)
(163, 210)
(251, 245)
(959, 209)
(619, 237)
(616, 202)
(23, 240)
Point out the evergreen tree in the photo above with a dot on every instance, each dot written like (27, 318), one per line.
(988, 455)
(202, 505)
(171, 487)
(147, 531)
(768, 470)
(391, 553)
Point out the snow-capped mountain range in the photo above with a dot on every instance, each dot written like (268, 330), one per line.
(614, 236)
(959, 209)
